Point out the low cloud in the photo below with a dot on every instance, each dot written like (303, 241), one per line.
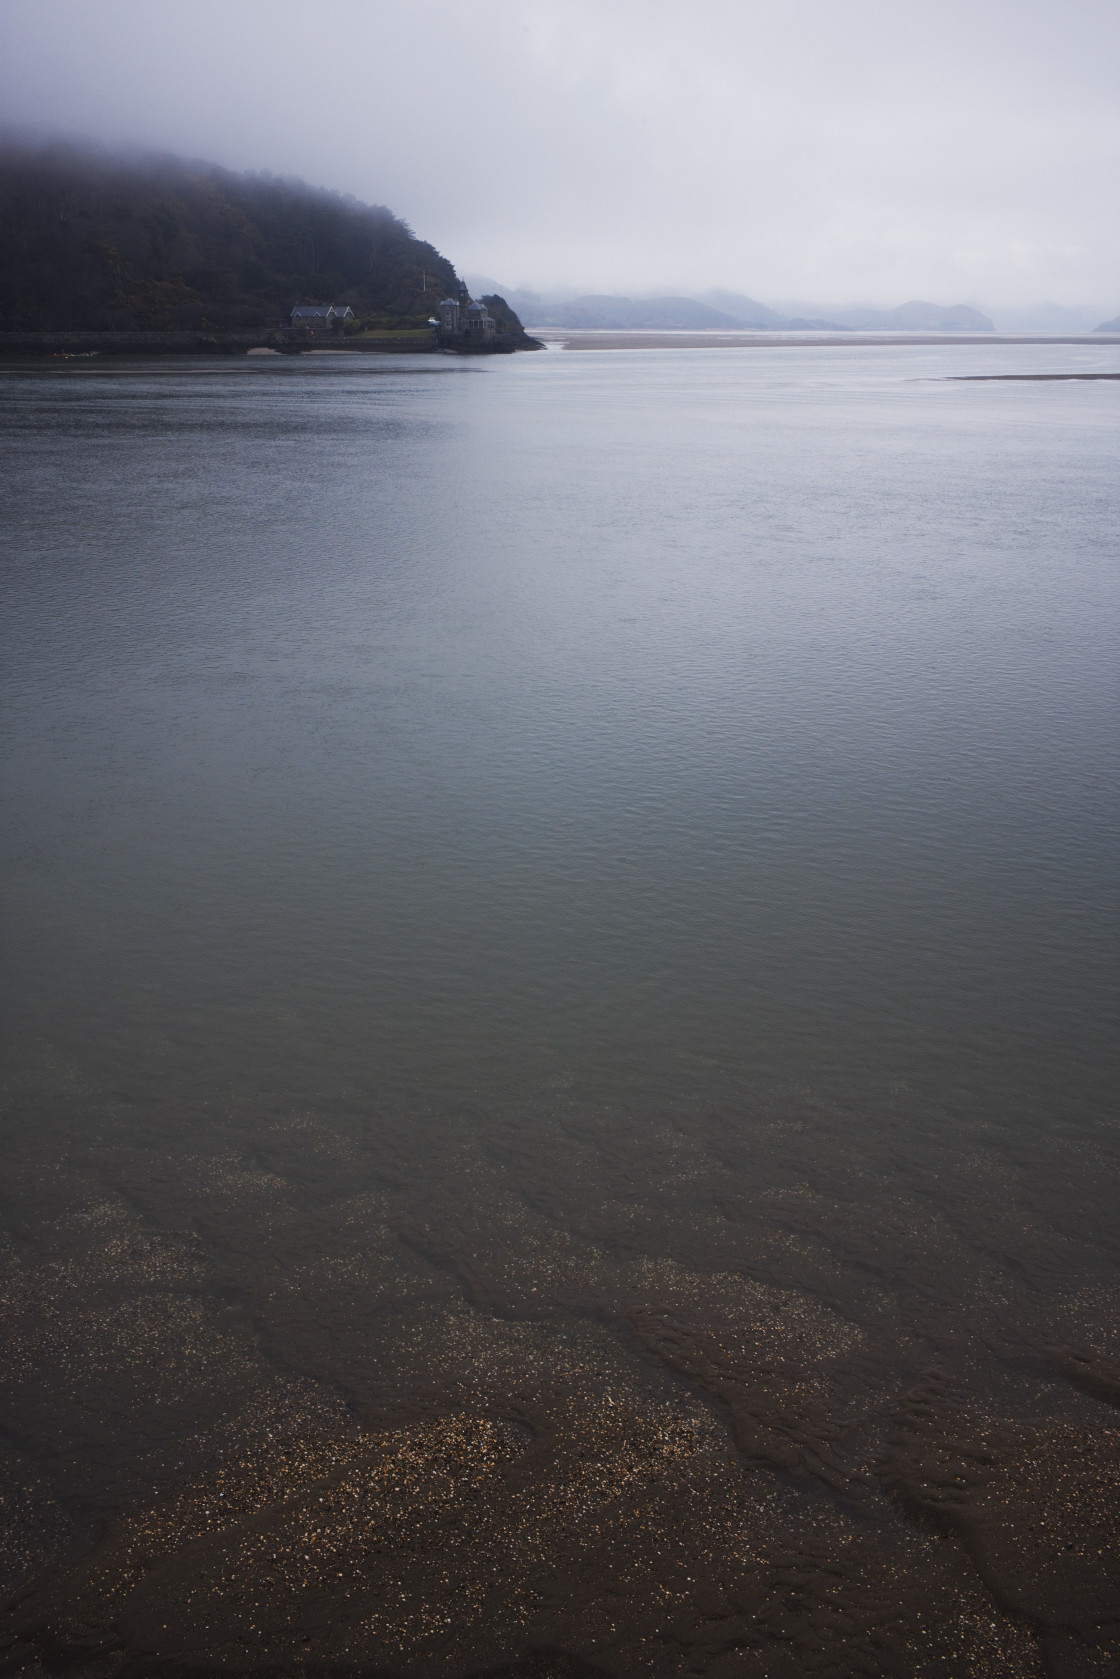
(872, 151)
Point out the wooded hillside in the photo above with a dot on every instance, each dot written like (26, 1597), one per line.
(107, 242)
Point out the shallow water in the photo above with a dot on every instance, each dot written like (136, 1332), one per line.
(506, 857)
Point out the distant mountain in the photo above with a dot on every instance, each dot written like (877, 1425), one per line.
(718, 308)
(748, 312)
(669, 314)
(99, 241)
(801, 323)
(917, 317)
(743, 310)
(653, 314)
(1109, 326)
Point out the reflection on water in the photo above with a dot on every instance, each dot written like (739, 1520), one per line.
(560, 923)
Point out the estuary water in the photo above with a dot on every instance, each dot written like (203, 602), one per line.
(560, 975)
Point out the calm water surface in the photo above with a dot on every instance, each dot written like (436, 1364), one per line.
(499, 850)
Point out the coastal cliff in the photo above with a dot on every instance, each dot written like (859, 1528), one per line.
(502, 330)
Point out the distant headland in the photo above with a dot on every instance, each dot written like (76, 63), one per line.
(724, 310)
(153, 254)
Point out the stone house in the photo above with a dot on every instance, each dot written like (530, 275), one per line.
(325, 317)
(462, 317)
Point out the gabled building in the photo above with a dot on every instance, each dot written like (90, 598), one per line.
(327, 317)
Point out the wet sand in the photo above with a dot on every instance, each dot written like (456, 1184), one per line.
(989, 378)
(440, 1410)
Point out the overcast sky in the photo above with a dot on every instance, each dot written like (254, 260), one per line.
(872, 150)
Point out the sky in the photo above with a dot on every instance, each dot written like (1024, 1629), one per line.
(845, 150)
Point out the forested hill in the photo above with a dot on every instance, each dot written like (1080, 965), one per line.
(102, 242)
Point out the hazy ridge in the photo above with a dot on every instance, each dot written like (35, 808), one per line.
(105, 241)
(724, 309)
(720, 309)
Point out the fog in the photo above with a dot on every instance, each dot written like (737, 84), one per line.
(872, 151)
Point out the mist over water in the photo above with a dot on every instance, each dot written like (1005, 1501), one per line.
(622, 813)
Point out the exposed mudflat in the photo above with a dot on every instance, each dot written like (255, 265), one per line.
(655, 1407)
(990, 378)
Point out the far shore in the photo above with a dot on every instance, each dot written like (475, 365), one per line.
(91, 346)
(601, 339)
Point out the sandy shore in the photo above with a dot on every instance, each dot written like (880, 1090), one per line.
(602, 340)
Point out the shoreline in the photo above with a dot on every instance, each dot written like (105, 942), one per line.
(74, 341)
(637, 340)
(63, 343)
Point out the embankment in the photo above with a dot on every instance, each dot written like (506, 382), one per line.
(21, 345)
